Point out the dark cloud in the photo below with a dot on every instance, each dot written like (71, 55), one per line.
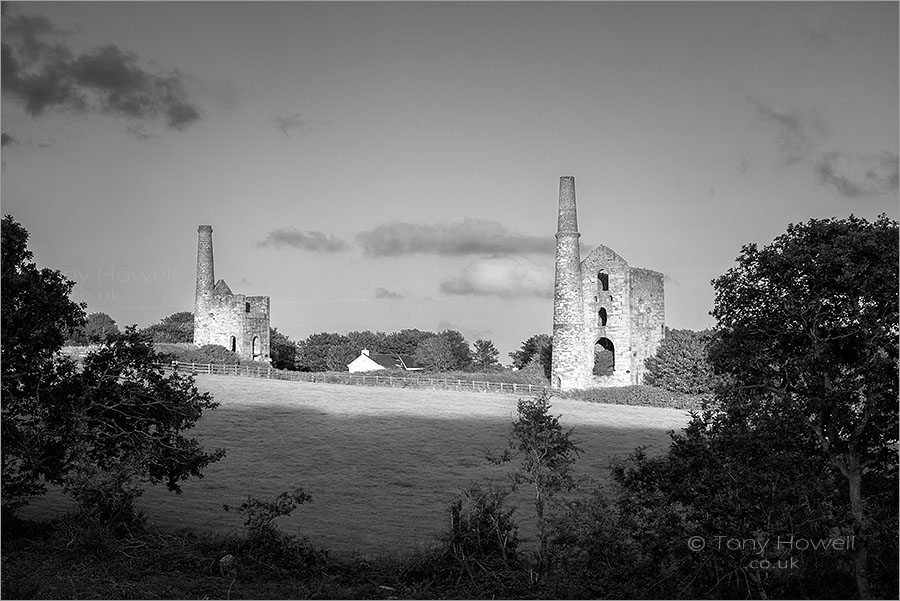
(294, 124)
(384, 293)
(308, 240)
(468, 237)
(860, 177)
(504, 277)
(41, 73)
(798, 131)
(7, 139)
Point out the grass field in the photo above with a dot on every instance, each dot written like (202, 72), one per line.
(381, 463)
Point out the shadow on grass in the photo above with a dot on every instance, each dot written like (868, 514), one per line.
(380, 482)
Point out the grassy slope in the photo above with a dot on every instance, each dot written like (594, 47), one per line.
(380, 463)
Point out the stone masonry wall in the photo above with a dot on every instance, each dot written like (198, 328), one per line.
(617, 302)
(648, 312)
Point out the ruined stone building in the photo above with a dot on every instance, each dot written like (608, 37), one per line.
(607, 316)
(239, 323)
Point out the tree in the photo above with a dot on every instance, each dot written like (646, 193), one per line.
(459, 349)
(177, 327)
(405, 342)
(97, 329)
(282, 350)
(312, 353)
(340, 355)
(680, 363)
(486, 355)
(435, 354)
(531, 348)
(546, 454)
(119, 425)
(37, 317)
(808, 328)
(100, 431)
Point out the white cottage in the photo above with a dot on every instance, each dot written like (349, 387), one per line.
(373, 362)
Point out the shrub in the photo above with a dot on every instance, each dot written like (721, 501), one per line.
(483, 534)
(645, 396)
(680, 363)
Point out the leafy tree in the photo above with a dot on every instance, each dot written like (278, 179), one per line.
(720, 482)
(312, 353)
(37, 317)
(177, 327)
(97, 329)
(459, 349)
(282, 350)
(546, 454)
(435, 354)
(100, 431)
(536, 346)
(808, 329)
(405, 342)
(341, 354)
(120, 425)
(680, 363)
(374, 341)
(486, 355)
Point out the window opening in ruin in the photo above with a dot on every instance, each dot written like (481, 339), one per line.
(246, 307)
(602, 315)
(233, 344)
(604, 357)
(603, 280)
(254, 348)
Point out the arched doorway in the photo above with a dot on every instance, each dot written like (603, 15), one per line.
(604, 357)
(254, 348)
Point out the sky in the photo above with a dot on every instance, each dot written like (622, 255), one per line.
(380, 166)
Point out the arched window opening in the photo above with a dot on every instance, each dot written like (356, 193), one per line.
(602, 315)
(233, 344)
(254, 348)
(603, 280)
(604, 357)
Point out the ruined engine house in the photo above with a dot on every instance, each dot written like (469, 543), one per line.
(608, 317)
(238, 322)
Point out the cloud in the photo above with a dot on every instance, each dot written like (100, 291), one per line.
(798, 131)
(384, 293)
(800, 134)
(468, 237)
(504, 277)
(309, 240)
(8, 139)
(860, 177)
(294, 124)
(42, 74)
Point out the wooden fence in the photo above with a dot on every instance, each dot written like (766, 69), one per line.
(355, 379)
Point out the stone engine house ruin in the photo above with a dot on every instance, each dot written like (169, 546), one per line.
(608, 317)
(238, 322)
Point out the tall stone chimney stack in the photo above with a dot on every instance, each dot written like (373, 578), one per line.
(568, 366)
(205, 280)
